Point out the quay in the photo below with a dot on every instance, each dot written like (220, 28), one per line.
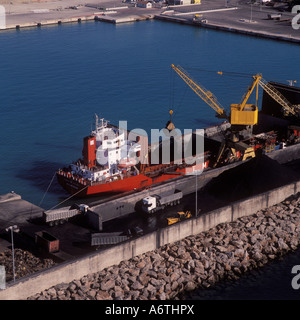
(118, 213)
(237, 20)
(15, 210)
(78, 256)
(242, 17)
(19, 16)
(94, 262)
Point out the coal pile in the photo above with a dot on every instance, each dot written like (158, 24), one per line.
(255, 176)
(25, 263)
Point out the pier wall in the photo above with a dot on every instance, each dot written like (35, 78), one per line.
(50, 22)
(68, 271)
(78, 19)
(230, 28)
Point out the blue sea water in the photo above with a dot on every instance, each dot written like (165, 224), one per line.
(54, 79)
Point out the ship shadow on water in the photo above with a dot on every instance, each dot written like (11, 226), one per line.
(57, 146)
(40, 175)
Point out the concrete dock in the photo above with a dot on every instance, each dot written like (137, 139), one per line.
(38, 14)
(239, 17)
(242, 17)
(17, 211)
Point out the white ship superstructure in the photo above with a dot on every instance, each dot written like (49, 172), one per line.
(106, 153)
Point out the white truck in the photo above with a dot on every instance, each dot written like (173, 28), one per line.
(61, 215)
(156, 202)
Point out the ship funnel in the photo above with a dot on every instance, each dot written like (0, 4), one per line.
(89, 151)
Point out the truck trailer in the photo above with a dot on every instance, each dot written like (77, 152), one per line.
(98, 239)
(154, 203)
(61, 215)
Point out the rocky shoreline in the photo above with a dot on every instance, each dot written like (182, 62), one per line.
(224, 252)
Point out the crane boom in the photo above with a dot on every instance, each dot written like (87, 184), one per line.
(203, 93)
(242, 113)
(278, 97)
(247, 94)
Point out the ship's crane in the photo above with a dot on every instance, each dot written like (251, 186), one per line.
(241, 114)
(288, 109)
(203, 93)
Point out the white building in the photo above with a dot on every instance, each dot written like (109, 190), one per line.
(144, 4)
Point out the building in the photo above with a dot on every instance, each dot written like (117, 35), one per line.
(144, 4)
(179, 2)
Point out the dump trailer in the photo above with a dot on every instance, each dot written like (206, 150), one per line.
(46, 242)
(98, 239)
(60, 216)
(157, 202)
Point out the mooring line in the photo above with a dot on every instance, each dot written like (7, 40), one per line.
(68, 198)
(47, 189)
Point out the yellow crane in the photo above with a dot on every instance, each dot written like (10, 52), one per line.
(203, 93)
(287, 107)
(241, 114)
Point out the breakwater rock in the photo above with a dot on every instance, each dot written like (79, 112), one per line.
(199, 261)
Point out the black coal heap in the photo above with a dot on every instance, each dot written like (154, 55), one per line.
(255, 176)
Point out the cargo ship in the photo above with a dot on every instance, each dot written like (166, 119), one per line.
(111, 162)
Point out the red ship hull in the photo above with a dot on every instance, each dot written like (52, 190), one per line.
(79, 188)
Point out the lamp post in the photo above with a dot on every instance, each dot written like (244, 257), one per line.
(196, 206)
(12, 229)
